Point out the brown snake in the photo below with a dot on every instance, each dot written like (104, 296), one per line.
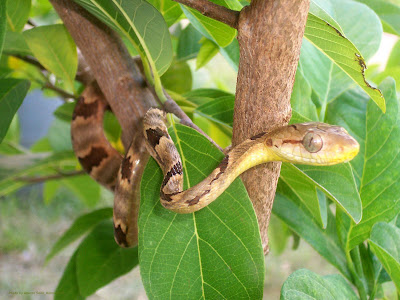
(307, 143)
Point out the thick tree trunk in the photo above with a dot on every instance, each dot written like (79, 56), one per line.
(270, 34)
(114, 70)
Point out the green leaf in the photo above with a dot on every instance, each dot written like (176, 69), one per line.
(12, 93)
(80, 226)
(366, 34)
(324, 10)
(219, 110)
(304, 284)
(207, 51)
(59, 136)
(64, 112)
(67, 287)
(304, 188)
(381, 172)
(99, 259)
(343, 53)
(385, 243)
(231, 54)
(326, 79)
(278, 235)
(216, 31)
(336, 181)
(292, 211)
(170, 10)
(188, 43)
(206, 93)
(178, 78)
(394, 58)
(10, 144)
(50, 189)
(54, 48)
(14, 43)
(141, 23)
(300, 99)
(349, 110)
(213, 253)
(3, 26)
(388, 12)
(17, 14)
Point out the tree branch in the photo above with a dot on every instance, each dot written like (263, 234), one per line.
(111, 65)
(50, 177)
(270, 35)
(217, 12)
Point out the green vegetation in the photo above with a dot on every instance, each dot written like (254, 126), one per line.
(349, 213)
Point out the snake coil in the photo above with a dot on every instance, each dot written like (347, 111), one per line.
(307, 143)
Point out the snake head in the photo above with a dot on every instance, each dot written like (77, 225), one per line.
(313, 144)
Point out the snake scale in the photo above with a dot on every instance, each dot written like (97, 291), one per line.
(307, 143)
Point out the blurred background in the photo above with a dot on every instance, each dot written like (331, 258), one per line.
(29, 225)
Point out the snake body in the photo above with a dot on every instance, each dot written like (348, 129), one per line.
(306, 143)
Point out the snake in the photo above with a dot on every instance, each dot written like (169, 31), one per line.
(311, 143)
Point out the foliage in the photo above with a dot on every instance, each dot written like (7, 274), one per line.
(348, 213)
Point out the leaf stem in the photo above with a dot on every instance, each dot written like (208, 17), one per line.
(49, 86)
(358, 283)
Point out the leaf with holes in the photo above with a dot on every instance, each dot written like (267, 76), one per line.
(213, 253)
(141, 23)
(343, 53)
(55, 49)
(379, 188)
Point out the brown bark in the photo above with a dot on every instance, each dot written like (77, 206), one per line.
(270, 34)
(117, 75)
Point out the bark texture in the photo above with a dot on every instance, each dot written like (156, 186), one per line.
(114, 70)
(270, 33)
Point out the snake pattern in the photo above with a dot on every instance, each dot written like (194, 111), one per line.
(307, 143)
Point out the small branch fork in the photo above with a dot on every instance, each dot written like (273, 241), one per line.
(217, 12)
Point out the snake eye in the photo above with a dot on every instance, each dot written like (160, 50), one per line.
(312, 142)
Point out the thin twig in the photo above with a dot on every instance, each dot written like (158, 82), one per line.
(171, 107)
(50, 177)
(64, 94)
(29, 59)
(217, 12)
